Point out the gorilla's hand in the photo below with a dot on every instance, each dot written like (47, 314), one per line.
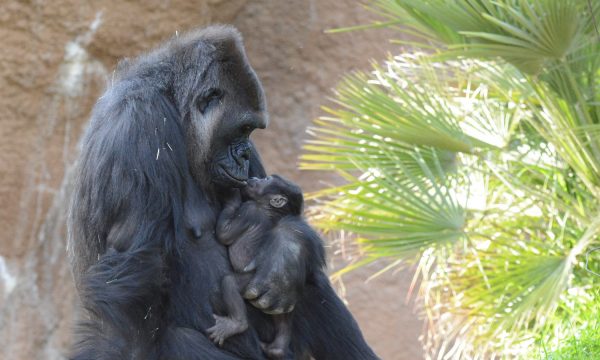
(276, 283)
(288, 257)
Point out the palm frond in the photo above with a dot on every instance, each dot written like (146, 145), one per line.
(396, 216)
(480, 161)
(526, 34)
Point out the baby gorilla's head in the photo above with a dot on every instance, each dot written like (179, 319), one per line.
(275, 194)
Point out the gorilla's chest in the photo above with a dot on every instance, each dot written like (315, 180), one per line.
(205, 261)
(195, 277)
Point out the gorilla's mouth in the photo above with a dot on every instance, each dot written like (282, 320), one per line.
(240, 181)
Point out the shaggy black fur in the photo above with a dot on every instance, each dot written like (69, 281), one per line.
(167, 141)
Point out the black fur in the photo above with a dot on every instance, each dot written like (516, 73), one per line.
(267, 227)
(159, 155)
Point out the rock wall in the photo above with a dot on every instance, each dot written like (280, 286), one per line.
(55, 61)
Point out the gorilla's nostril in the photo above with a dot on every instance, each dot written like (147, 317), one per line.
(239, 160)
(242, 154)
(245, 152)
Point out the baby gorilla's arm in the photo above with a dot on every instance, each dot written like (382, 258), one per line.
(231, 221)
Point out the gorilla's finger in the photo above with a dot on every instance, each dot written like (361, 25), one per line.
(254, 290)
(281, 306)
(278, 308)
(270, 302)
(250, 267)
(264, 302)
(251, 293)
(275, 311)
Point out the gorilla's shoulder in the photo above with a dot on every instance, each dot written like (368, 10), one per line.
(131, 106)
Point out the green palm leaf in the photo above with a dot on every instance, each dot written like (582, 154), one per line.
(480, 161)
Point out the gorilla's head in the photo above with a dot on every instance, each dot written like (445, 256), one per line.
(220, 101)
(275, 194)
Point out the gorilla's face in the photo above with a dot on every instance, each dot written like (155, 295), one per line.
(228, 107)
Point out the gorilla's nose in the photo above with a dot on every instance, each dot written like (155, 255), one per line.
(242, 154)
(246, 153)
(243, 150)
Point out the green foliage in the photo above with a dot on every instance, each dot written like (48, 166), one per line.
(479, 161)
(584, 347)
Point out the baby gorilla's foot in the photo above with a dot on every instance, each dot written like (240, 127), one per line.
(273, 350)
(225, 327)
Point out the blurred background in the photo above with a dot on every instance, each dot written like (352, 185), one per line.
(57, 57)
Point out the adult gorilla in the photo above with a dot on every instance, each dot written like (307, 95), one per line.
(166, 144)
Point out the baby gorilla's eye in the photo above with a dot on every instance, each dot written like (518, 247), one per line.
(212, 97)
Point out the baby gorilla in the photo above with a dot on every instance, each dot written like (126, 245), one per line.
(267, 224)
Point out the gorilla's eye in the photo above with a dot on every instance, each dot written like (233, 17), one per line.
(212, 97)
(246, 129)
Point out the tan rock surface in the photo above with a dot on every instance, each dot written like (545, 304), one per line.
(56, 58)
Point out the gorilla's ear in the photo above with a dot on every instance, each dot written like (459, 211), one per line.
(256, 167)
(278, 201)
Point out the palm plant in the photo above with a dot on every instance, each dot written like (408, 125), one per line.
(476, 156)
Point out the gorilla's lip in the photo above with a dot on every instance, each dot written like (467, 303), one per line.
(229, 175)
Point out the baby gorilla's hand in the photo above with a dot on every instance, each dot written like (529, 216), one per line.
(232, 199)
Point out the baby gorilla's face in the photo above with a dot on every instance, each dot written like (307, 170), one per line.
(274, 193)
(256, 188)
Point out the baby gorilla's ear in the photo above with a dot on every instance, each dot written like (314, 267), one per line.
(278, 201)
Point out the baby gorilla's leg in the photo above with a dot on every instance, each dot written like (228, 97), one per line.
(236, 322)
(283, 326)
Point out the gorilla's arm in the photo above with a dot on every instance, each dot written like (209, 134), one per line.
(291, 252)
(323, 324)
(125, 225)
(290, 275)
(118, 292)
(120, 231)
